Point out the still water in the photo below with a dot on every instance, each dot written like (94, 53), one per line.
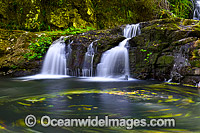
(80, 97)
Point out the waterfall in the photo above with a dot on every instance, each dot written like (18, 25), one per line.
(88, 61)
(55, 59)
(196, 14)
(132, 30)
(115, 62)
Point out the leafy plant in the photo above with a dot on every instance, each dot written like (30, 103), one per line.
(181, 8)
(39, 47)
(147, 55)
(13, 66)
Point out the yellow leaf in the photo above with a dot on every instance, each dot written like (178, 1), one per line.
(42, 99)
(37, 44)
(188, 101)
(87, 108)
(171, 100)
(170, 97)
(165, 116)
(69, 97)
(164, 109)
(1, 127)
(187, 115)
(25, 104)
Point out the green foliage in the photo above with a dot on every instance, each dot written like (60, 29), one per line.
(39, 47)
(147, 55)
(181, 8)
(166, 14)
(37, 15)
(13, 66)
(143, 50)
(195, 63)
(74, 31)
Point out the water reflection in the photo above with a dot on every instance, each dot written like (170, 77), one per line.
(57, 106)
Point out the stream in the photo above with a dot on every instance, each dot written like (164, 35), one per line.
(72, 97)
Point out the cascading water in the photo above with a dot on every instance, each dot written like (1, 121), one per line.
(88, 61)
(132, 30)
(196, 14)
(115, 62)
(55, 59)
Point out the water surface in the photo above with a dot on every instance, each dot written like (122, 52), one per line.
(81, 97)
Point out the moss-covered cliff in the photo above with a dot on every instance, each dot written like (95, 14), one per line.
(36, 15)
(167, 49)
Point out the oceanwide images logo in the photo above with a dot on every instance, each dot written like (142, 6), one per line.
(46, 121)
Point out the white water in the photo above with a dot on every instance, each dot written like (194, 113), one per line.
(105, 79)
(42, 76)
(55, 59)
(132, 30)
(196, 14)
(88, 61)
(115, 62)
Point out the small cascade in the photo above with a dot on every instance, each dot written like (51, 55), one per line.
(55, 60)
(88, 61)
(131, 30)
(196, 15)
(115, 62)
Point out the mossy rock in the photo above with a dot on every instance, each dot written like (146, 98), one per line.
(165, 60)
(184, 41)
(195, 63)
(164, 38)
(189, 22)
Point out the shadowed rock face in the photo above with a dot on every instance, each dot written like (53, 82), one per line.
(106, 39)
(166, 49)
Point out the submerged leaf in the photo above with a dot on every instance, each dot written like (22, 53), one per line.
(164, 109)
(25, 104)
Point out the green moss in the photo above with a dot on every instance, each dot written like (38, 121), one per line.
(184, 41)
(165, 60)
(42, 14)
(195, 63)
(163, 27)
(187, 22)
(195, 54)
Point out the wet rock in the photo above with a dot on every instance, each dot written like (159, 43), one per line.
(166, 49)
(156, 49)
(104, 40)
